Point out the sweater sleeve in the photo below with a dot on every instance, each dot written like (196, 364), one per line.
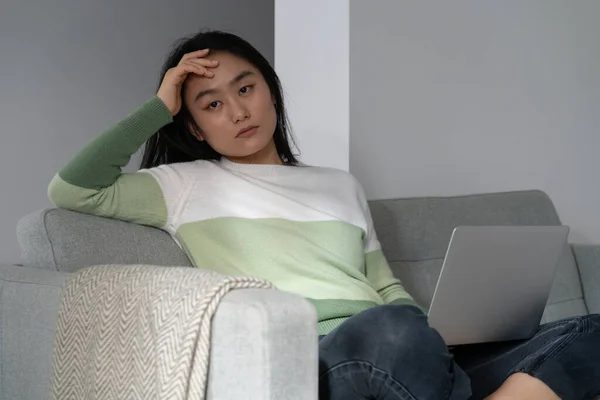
(377, 269)
(93, 182)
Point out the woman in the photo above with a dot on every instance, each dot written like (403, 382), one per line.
(220, 176)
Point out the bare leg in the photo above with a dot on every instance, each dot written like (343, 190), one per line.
(520, 386)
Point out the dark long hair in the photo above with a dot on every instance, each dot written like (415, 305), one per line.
(175, 142)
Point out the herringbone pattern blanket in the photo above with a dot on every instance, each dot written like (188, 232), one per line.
(137, 332)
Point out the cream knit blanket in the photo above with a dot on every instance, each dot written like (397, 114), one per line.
(137, 332)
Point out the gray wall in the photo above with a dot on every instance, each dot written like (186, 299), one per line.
(70, 69)
(476, 96)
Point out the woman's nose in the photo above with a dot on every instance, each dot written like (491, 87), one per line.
(239, 112)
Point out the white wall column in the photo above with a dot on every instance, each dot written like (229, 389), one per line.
(312, 59)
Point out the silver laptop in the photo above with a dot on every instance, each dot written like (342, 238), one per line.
(495, 282)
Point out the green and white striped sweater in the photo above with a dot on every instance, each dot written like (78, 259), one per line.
(308, 230)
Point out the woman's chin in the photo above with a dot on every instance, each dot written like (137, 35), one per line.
(254, 150)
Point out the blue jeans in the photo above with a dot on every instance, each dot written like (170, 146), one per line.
(390, 353)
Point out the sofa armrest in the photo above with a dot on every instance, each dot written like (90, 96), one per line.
(29, 302)
(588, 262)
(264, 345)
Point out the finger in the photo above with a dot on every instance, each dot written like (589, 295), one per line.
(197, 69)
(204, 62)
(194, 54)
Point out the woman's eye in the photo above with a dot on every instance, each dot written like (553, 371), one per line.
(245, 89)
(214, 104)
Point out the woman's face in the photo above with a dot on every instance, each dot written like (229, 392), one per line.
(224, 106)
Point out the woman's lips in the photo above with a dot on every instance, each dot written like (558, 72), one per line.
(248, 132)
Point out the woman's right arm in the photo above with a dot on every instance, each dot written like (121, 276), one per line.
(93, 182)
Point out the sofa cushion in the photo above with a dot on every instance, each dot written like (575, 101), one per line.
(64, 240)
(415, 232)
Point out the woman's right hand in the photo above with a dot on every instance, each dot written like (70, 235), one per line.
(192, 63)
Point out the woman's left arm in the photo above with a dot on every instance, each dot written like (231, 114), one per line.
(377, 269)
(382, 279)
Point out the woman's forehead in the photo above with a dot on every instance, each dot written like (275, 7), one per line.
(229, 68)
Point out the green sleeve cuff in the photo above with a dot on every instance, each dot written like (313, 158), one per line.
(146, 121)
(99, 164)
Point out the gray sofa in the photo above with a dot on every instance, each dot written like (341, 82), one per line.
(264, 341)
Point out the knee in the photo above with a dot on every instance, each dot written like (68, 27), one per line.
(401, 329)
(397, 326)
(395, 341)
(404, 323)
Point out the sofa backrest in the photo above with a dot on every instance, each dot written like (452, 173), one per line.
(414, 234)
(64, 240)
